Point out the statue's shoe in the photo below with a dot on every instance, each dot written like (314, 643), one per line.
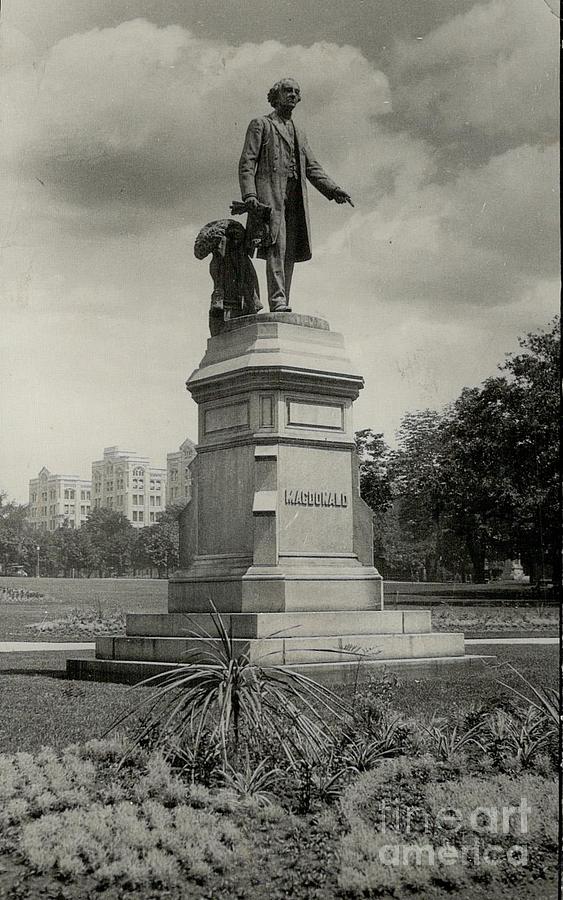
(277, 309)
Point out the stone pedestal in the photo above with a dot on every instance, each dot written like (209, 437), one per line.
(277, 524)
(276, 536)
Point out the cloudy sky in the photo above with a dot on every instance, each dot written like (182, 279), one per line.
(123, 121)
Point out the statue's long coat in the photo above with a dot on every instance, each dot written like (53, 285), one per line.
(263, 171)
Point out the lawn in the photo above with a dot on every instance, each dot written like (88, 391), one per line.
(61, 597)
(74, 609)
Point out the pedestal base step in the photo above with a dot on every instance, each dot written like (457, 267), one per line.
(134, 671)
(291, 650)
(284, 625)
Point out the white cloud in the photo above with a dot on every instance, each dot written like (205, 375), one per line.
(481, 239)
(140, 116)
(494, 68)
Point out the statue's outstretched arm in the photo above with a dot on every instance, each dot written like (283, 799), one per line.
(323, 182)
(317, 175)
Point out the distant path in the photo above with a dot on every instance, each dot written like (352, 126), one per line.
(513, 640)
(27, 646)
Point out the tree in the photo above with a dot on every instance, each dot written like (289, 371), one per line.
(536, 471)
(501, 460)
(373, 457)
(418, 487)
(109, 539)
(17, 543)
(157, 545)
(75, 551)
(375, 486)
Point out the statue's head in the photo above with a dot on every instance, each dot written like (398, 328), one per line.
(285, 93)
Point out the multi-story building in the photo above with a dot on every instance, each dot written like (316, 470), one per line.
(127, 483)
(178, 475)
(56, 500)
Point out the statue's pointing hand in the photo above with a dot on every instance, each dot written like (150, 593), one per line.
(342, 197)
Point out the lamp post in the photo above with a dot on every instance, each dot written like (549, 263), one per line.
(37, 567)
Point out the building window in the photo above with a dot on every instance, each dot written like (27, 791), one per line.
(152, 501)
(152, 517)
(141, 517)
(158, 501)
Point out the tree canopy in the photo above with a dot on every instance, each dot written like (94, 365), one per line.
(480, 479)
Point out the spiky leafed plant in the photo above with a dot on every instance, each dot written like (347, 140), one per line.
(251, 783)
(221, 690)
(385, 740)
(521, 736)
(447, 739)
(545, 700)
(318, 775)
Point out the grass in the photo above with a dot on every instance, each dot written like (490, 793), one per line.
(32, 698)
(64, 597)
(74, 603)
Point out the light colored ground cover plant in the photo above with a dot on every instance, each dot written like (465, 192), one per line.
(76, 813)
(20, 595)
(495, 619)
(81, 622)
(130, 844)
(412, 826)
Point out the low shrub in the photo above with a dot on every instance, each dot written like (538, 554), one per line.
(82, 622)
(20, 595)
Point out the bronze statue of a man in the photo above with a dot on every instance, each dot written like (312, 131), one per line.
(275, 164)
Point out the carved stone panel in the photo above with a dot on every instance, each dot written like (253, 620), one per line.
(327, 416)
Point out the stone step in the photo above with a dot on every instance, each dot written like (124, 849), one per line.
(134, 671)
(265, 625)
(281, 651)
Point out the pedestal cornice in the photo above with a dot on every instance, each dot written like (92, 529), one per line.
(276, 352)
